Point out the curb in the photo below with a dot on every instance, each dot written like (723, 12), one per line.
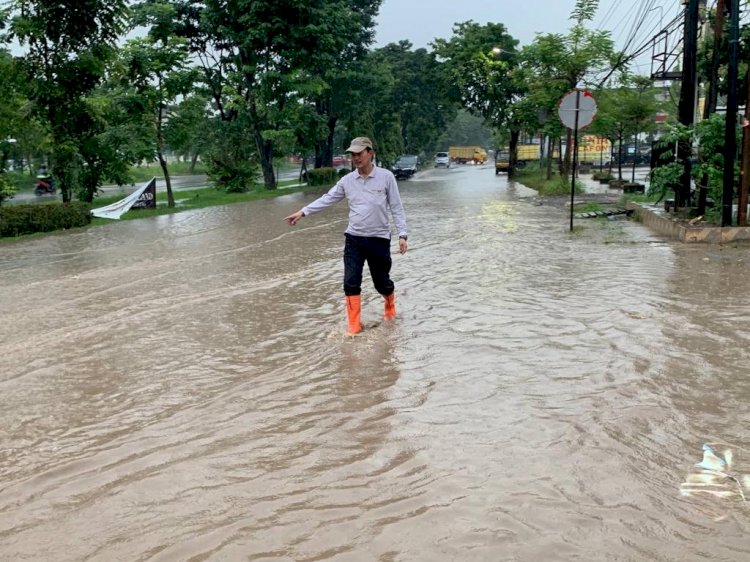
(654, 218)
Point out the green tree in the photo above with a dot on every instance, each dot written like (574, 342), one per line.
(185, 131)
(158, 76)
(559, 63)
(370, 109)
(481, 81)
(466, 130)
(334, 72)
(10, 109)
(625, 112)
(419, 95)
(68, 46)
(257, 57)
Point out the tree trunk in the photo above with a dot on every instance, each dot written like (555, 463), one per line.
(167, 178)
(324, 149)
(193, 162)
(619, 158)
(514, 134)
(550, 153)
(62, 166)
(160, 154)
(265, 151)
(303, 171)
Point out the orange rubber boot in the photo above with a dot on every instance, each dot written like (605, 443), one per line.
(390, 307)
(353, 313)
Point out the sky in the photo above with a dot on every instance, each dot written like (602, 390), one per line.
(421, 21)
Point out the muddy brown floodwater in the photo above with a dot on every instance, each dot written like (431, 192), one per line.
(179, 388)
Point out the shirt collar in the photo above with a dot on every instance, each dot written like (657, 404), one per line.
(370, 175)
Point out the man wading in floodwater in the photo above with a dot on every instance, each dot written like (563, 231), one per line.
(370, 191)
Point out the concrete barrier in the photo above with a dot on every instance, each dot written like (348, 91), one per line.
(657, 220)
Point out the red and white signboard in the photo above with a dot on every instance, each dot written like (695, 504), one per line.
(579, 102)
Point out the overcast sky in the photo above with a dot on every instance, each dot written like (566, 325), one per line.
(421, 21)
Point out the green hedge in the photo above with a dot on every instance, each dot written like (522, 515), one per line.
(16, 220)
(322, 176)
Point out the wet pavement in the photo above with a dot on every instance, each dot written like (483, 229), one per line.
(180, 388)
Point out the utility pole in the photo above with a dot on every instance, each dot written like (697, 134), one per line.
(745, 174)
(730, 132)
(687, 98)
(713, 85)
(713, 91)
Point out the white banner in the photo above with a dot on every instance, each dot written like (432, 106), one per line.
(116, 210)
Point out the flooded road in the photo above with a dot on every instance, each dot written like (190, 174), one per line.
(180, 388)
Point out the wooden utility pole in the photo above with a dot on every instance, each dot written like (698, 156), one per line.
(730, 132)
(687, 99)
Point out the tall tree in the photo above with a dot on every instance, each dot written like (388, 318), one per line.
(68, 44)
(158, 76)
(481, 81)
(186, 129)
(559, 63)
(419, 95)
(336, 70)
(258, 56)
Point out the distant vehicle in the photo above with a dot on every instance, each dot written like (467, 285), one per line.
(468, 154)
(340, 162)
(442, 159)
(405, 166)
(502, 160)
(45, 184)
(526, 153)
(640, 158)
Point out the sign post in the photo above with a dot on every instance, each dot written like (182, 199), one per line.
(576, 110)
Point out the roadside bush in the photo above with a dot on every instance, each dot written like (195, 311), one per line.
(27, 219)
(7, 188)
(322, 176)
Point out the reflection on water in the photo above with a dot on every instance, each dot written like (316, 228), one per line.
(180, 388)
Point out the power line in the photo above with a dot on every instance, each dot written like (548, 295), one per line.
(625, 59)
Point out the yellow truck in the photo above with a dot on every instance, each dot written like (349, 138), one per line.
(466, 154)
(525, 154)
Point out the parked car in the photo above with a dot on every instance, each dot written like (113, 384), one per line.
(405, 166)
(442, 159)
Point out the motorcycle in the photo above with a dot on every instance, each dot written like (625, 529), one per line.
(44, 186)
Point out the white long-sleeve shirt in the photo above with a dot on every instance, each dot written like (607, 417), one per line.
(369, 198)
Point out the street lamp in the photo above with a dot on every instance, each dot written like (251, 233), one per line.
(497, 51)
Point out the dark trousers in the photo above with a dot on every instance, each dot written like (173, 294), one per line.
(377, 253)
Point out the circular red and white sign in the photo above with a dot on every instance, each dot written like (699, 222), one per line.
(579, 102)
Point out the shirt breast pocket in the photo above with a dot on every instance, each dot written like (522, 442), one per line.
(376, 193)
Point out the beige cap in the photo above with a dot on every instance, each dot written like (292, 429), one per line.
(359, 144)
